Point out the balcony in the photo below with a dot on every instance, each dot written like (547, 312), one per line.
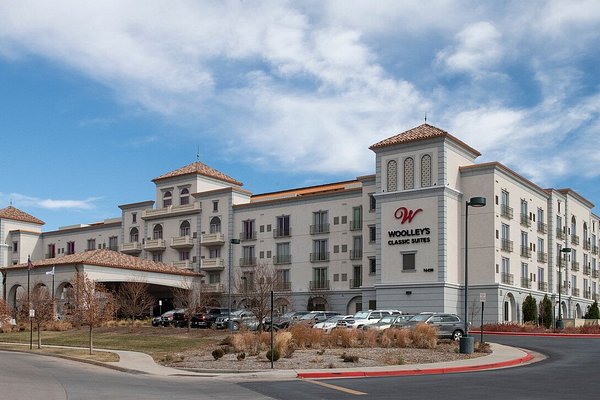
(215, 264)
(594, 273)
(542, 228)
(506, 211)
(283, 286)
(587, 245)
(525, 221)
(282, 259)
(356, 254)
(575, 266)
(574, 239)
(560, 234)
(355, 225)
(595, 296)
(183, 264)
(594, 249)
(525, 252)
(213, 288)
(319, 285)
(587, 294)
(321, 228)
(506, 245)
(587, 270)
(171, 211)
(564, 290)
(212, 239)
(282, 233)
(542, 257)
(155, 244)
(576, 292)
(131, 248)
(319, 257)
(542, 286)
(182, 242)
(355, 283)
(246, 236)
(507, 279)
(248, 262)
(526, 283)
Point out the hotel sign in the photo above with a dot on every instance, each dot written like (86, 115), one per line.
(411, 235)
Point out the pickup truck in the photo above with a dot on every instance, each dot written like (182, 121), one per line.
(363, 318)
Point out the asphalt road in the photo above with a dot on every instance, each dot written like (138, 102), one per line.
(568, 372)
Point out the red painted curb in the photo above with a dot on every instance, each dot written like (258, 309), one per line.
(426, 371)
(542, 334)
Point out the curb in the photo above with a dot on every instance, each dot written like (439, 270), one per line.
(541, 334)
(411, 372)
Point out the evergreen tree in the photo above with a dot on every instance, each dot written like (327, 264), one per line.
(593, 312)
(546, 312)
(529, 309)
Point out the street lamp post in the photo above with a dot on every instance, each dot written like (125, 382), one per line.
(559, 322)
(466, 342)
(230, 264)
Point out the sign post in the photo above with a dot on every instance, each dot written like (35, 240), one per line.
(482, 298)
(31, 317)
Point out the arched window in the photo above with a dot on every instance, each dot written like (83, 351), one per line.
(184, 197)
(585, 234)
(409, 173)
(184, 228)
(134, 235)
(157, 232)
(573, 226)
(215, 225)
(392, 176)
(167, 199)
(426, 170)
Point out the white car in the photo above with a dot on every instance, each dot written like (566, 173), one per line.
(329, 324)
(363, 318)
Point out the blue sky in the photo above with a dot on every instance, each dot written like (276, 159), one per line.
(98, 99)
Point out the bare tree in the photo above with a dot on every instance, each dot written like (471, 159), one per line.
(90, 304)
(255, 288)
(193, 297)
(134, 300)
(40, 300)
(5, 314)
(475, 309)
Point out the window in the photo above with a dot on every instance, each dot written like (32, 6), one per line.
(214, 252)
(409, 173)
(282, 228)
(372, 202)
(157, 232)
(214, 278)
(215, 205)
(248, 230)
(320, 222)
(356, 281)
(133, 218)
(282, 255)
(356, 222)
(320, 250)
(392, 176)
(157, 257)
(248, 256)
(426, 170)
(167, 199)
(15, 247)
(184, 197)
(113, 243)
(408, 262)
(356, 252)
(91, 244)
(215, 225)
(134, 235)
(51, 251)
(70, 247)
(372, 234)
(540, 215)
(540, 277)
(372, 266)
(184, 228)
(184, 255)
(320, 278)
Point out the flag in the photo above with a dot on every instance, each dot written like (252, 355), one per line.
(29, 264)
(50, 272)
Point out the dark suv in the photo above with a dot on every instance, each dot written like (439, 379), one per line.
(208, 318)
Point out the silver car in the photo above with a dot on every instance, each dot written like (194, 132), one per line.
(448, 325)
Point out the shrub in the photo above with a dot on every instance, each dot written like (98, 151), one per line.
(345, 338)
(306, 337)
(529, 309)
(218, 353)
(247, 341)
(58, 326)
(241, 356)
(424, 336)
(370, 338)
(546, 312)
(349, 358)
(396, 338)
(284, 343)
(593, 312)
(482, 347)
(273, 355)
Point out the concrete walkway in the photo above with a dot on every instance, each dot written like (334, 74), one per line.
(502, 356)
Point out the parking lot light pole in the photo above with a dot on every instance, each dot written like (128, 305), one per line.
(559, 322)
(230, 264)
(466, 342)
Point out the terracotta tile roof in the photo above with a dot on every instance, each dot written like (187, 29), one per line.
(11, 212)
(421, 132)
(198, 168)
(111, 259)
(328, 187)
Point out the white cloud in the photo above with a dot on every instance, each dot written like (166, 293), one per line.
(21, 200)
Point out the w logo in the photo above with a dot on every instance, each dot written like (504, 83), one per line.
(404, 214)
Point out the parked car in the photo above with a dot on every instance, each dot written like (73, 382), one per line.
(208, 318)
(401, 320)
(239, 318)
(180, 319)
(448, 325)
(166, 318)
(387, 322)
(363, 318)
(331, 323)
(313, 317)
(283, 321)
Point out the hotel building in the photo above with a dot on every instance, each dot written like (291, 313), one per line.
(391, 240)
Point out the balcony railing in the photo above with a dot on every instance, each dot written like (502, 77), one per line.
(587, 270)
(320, 228)
(282, 259)
(356, 254)
(506, 211)
(543, 286)
(244, 236)
(213, 288)
(594, 273)
(564, 290)
(355, 225)
(183, 264)
(560, 234)
(587, 294)
(525, 221)
(507, 279)
(181, 242)
(318, 257)
(575, 266)
(279, 233)
(576, 292)
(587, 245)
(506, 245)
(248, 262)
(319, 285)
(542, 257)
(542, 227)
(171, 211)
(212, 239)
(574, 239)
(212, 263)
(594, 249)
(283, 286)
(355, 283)
(155, 244)
(131, 247)
(525, 252)
(526, 283)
